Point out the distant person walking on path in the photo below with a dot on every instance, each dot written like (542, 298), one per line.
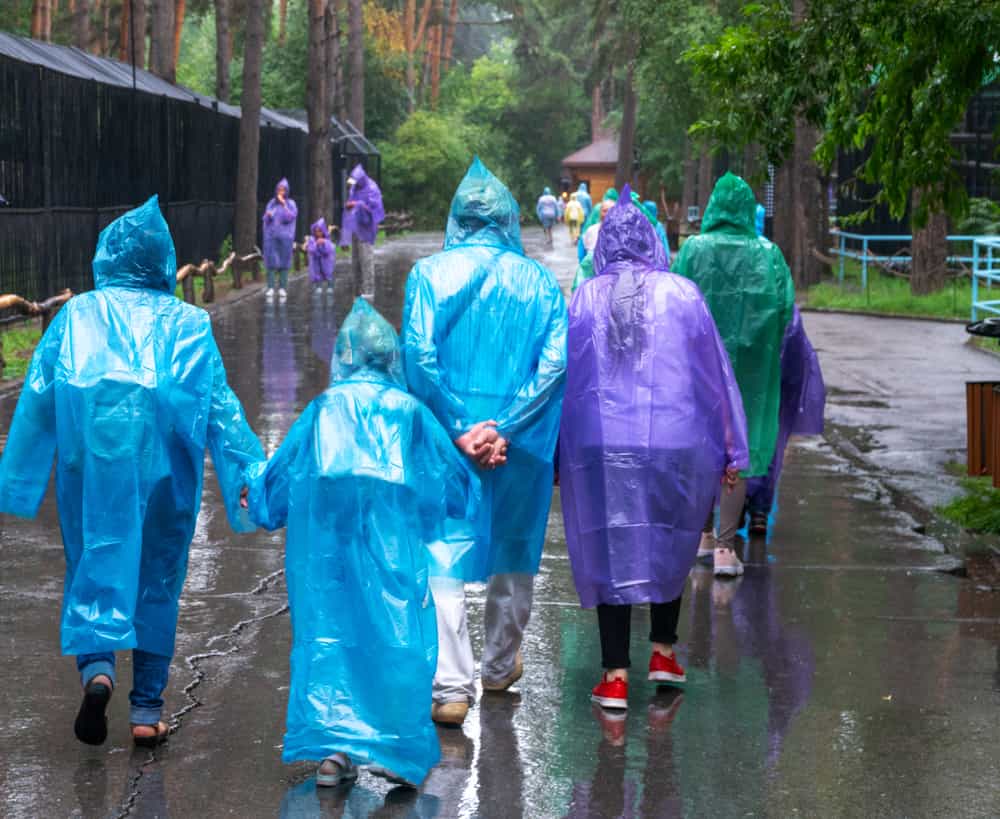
(653, 212)
(574, 217)
(561, 202)
(363, 213)
(583, 197)
(126, 390)
(279, 238)
(363, 480)
(595, 215)
(322, 256)
(547, 211)
(652, 424)
(749, 290)
(484, 339)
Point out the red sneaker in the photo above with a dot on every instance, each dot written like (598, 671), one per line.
(611, 694)
(666, 669)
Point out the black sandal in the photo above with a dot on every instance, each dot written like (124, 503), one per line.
(162, 731)
(91, 724)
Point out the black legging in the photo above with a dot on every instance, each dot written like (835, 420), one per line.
(615, 623)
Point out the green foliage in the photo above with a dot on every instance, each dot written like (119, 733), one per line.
(196, 62)
(982, 219)
(18, 347)
(978, 508)
(890, 77)
(890, 295)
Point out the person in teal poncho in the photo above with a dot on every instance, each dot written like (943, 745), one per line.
(749, 290)
(364, 480)
(653, 214)
(125, 392)
(484, 339)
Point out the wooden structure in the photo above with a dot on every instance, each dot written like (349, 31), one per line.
(982, 401)
(594, 164)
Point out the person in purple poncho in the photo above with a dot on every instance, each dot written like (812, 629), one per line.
(322, 256)
(651, 422)
(363, 213)
(803, 400)
(279, 238)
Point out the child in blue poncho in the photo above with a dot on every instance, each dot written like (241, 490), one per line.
(363, 481)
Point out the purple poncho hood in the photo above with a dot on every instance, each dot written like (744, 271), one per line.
(321, 256)
(368, 212)
(279, 229)
(651, 418)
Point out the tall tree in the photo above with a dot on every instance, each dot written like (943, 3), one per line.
(223, 50)
(626, 136)
(356, 52)
(180, 11)
(449, 36)
(81, 24)
(413, 38)
(245, 215)
(335, 61)
(437, 30)
(282, 22)
(137, 30)
(161, 40)
(318, 112)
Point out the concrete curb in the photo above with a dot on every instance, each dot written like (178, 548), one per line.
(872, 314)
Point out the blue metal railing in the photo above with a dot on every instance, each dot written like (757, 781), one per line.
(986, 270)
(864, 255)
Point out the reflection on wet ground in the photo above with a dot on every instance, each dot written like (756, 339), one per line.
(841, 676)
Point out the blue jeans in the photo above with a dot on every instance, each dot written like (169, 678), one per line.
(284, 278)
(149, 679)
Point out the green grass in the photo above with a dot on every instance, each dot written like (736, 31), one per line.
(889, 294)
(18, 346)
(977, 509)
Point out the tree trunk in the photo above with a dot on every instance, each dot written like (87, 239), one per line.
(180, 11)
(138, 30)
(282, 22)
(337, 56)
(245, 215)
(334, 90)
(123, 34)
(317, 111)
(356, 48)
(161, 40)
(930, 252)
(449, 37)
(223, 50)
(105, 44)
(626, 137)
(413, 37)
(81, 24)
(36, 19)
(437, 34)
(811, 234)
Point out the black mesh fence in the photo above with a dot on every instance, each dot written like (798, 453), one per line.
(75, 153)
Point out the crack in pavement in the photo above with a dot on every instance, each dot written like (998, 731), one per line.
(192, 661)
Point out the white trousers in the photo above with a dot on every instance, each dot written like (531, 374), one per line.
(508, 607)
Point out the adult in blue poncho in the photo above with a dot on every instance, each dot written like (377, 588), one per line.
(125, 392)
(547, 211)
(749, 290)
(363, 481)
(651, 421)
(583, 197)
(484, 338)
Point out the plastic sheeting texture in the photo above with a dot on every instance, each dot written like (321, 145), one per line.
(484, 336)
(322, 255)
(279, 229)
(362, 481)
(749, 290)
(651, 419)
(367, 212)
(125, 391)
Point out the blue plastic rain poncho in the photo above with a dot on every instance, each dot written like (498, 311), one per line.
(749, 290)
(279, 229)
(760, 215)
(125, 391)
(547, 208)
(653, 212)
(583, 197)
(484, 337)
(651, 419)
(363, 480)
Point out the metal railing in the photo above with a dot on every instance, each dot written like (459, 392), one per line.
(985, 270)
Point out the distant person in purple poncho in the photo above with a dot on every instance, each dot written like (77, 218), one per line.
(322, 256)
(279, 238)
(652, 423)
(363, 213)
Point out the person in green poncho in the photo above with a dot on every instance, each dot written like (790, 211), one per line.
(749, 290)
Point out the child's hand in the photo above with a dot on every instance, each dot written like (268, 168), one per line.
(244, 498)
(729, 479)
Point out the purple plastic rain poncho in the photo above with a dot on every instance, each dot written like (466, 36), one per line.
(279, 229)
(322, 255)
(367, 214)
(484, 337)
(803, 400)
(651, 419)
(126, 391)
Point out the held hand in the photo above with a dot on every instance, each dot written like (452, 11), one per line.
(350, 205)
(482, 445)
(730, 478)
(244, 498)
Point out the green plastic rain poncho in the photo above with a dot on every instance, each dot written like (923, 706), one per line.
(125, 392)
(749, 290)
(484, 337)
(364, 480)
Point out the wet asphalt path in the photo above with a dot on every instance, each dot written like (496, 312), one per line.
(841, 676)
